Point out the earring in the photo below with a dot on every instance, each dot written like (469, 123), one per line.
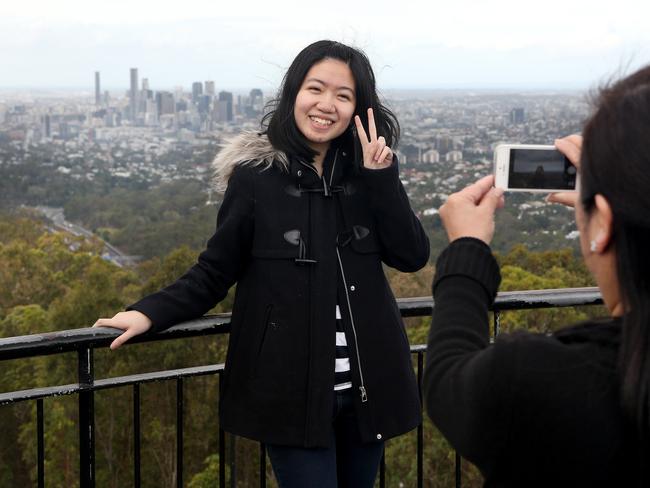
(593, 245)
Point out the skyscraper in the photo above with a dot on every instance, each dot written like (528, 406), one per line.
(517, 116)
(133, 94)
(209, 88)
(225, 106)
(47, 126)
(197, 91)
(165, 102)
(98, 96)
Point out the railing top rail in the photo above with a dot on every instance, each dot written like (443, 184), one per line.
(76, 339)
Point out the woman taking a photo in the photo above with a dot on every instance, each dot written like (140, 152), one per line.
(572, 408)
(318, 364)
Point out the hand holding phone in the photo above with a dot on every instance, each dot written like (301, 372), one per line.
(533, 168)
(470, 212)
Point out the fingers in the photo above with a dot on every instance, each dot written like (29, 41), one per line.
(381, 144)
(122, 339)
(570, 146)
(371, 125)
(476, 191)
(386, 156)
(565, 198)
(361, 132)
(492, 200)
(110, 323)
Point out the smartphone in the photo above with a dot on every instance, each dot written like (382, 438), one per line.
(533, 168)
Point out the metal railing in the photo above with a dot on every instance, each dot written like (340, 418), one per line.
(85, 340)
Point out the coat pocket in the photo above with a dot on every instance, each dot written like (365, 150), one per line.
(364, 240)
(260, 346)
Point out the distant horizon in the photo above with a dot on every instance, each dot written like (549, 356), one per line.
(90, 92)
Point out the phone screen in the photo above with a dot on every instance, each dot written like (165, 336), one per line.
(537, 169)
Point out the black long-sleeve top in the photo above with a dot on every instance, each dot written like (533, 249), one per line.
(531, 410)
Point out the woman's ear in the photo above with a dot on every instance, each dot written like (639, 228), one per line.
(601, 225)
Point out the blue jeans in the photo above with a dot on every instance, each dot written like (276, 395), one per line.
(348, 463)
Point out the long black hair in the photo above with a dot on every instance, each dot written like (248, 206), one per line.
(279, 123)
(615, 163)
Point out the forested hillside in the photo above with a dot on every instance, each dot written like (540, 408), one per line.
(55, 281)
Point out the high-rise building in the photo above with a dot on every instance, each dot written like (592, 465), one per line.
(517, 116)
(209, 88)
(98, 91)
(225, 106)
(47, 126)
(204, 104)
(133, 94)
(431, 156)
(257, 99)
(197, 91)
(165, 103)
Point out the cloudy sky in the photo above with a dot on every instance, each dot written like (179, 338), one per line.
(248, 43)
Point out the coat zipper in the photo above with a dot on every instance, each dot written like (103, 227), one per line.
(336, 155)
(362, 388)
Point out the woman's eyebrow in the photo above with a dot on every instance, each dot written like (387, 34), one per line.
(342, 87)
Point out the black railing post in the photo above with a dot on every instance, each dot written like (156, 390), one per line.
(40, 434)
(86, 418)
(420, 433)
(136, 435)
(222, 440)
(179, 432)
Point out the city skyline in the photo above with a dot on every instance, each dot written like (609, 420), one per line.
(466, 44)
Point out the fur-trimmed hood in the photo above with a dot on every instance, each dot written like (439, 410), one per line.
(248, 148)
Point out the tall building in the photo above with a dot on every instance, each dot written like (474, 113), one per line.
(133, 94)
(431, 156)
(47, 126)
(98, 91)
(517, 116)
(209, 88)
(257, 99)
(225, 106)
(197, 91)
(204, 104)
(165, 103)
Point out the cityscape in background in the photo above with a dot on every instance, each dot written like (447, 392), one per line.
(151, 137)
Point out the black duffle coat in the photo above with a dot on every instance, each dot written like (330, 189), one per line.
(297, 245)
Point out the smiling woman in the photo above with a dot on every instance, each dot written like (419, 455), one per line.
(318, 363)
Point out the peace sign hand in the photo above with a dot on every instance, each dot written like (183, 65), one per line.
(376, 154)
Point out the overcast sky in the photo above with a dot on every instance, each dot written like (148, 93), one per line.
(249, 43)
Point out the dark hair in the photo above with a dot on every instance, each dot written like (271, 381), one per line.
(279, 123)
(615, 163)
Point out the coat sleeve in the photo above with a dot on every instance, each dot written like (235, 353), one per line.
(467, 383)
(404, 244)
(218, 267)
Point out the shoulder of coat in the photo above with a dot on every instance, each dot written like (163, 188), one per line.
(249, 148)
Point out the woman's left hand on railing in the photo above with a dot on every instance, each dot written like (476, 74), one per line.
(133, 323)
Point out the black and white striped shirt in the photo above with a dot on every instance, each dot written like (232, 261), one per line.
(342, 375)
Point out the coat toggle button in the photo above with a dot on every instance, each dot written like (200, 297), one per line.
(352, 288)
(378, 437)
